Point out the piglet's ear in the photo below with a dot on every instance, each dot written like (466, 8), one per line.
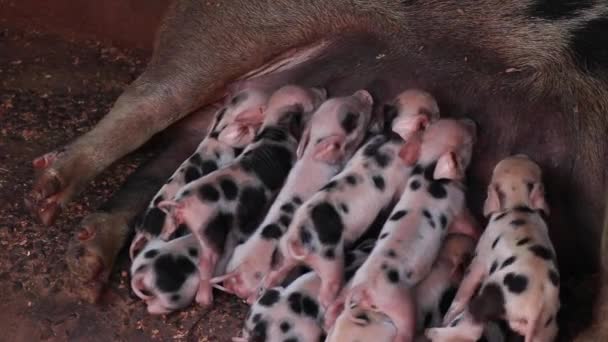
(330, 149)
(537, 198)
(321, 93)
(251, 116)
(364, 96)
(448, 168)
(492, 203)
(407, 126)
(410, 152)
(303, 142)
(238, 135)
(169, 207)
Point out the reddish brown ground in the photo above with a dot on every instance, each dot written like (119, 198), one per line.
(50, 92)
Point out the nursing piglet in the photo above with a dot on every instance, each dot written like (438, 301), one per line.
(435, 293)
(335, 131)
(432, 202)
(165, 274)
(234, 127)
(294, 313)
(515, 266)
(223, 208)
(340, 213)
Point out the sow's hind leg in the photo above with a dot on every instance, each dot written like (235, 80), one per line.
(93, 251)
(201, 47)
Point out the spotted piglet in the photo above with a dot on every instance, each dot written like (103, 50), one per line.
(335, 131)
(165, 274)
(294, 313)
(345, 207)
(223, 208)
(233, 128)
(515, 266)
(432, 203)
(433, 296)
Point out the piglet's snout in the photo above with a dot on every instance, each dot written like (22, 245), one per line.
(140, 289)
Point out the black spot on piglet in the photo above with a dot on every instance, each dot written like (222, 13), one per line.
(378, 182)
(271, 231)
(259, 333)
(191, 174)
(437, 190)
(541, 252)
(151, 254)
(270, 297)
(153, 221)
(301, 304)
(208, 166)
(349, 123)
(515, 283)
(398, 215)
(327, 223)
(229, 189)
(270, 163)
(208, 193)
(171, 272)
(251, 205)
(554, 277)
(217, 230)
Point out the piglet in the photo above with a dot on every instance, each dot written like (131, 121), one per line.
(165, 274)
(435, 292)
(233, 128)
(223, 208)
(515, 266)
(335, 131)
(345, 207)
(409, 242)
(294, 313)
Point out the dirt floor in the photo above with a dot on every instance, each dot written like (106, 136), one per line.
(51, 91)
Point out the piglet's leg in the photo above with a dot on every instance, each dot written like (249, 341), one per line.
(278, 275)
(466, 290)
(206, 264)
(331, 274)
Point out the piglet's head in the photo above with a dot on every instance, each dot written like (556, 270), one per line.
(516, 181)
(449, 143)
(177, 213)
(337, 128)
(457, 250)
(292, 106)
(237, 122)
(411, 112)
(245, 274)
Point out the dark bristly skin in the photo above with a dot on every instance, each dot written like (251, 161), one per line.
(541, 89)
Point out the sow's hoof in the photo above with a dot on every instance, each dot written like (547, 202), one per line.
(51, 189)
(91, 254)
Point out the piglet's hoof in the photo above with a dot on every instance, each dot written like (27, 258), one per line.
(204, 295)
(92, 252)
